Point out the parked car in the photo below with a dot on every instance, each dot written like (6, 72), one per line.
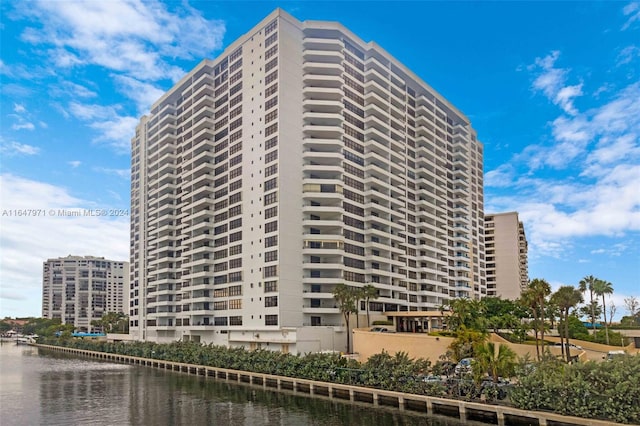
(432, 379)
(464, 366)
(571, 346)
(382, 330)
(611, 355)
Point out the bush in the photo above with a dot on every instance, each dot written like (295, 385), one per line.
(605, 390)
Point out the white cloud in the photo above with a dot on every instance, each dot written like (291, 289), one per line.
(23, 125)
(500, 177)
(19, 108)
(113, 128)
(144, 94)
(551, 81)
(627, 55)
(12, 148)
(128, 36)
(29, 240)
(75, 163)
(632, 10)
(123, 173)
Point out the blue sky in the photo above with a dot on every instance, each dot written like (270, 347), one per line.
(553, 90)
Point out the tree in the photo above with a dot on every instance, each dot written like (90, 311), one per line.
(535, 297)
(112, 322)
(497, 362)
(528, 301)
(565, 298)
(347, 298)
(602, 288)
(369, 292)
(587, 284)
(467, 313)
(632, 304)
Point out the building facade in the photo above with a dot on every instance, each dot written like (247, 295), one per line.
(302, 157)
(81, 289)
(506, 252)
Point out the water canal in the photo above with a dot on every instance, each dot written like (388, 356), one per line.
(42, 387)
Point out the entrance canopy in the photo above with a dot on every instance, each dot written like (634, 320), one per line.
(418, 321)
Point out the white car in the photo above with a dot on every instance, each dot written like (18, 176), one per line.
(571, 346)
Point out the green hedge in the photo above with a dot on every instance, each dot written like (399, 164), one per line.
(600, 390)
(604, 390)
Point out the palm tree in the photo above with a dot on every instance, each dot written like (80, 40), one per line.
(588, 283)
(369, 292)
(527, 300)
(498, 362)
(347, 297)
(565, 298)
(601, 288)
(539, 291)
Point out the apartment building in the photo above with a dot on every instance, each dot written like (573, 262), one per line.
(80, 289)
(506, 255)
(300, 158)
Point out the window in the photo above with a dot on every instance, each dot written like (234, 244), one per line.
(270, 301)
(234, 186)
(271, 226)
(235, 148)
(236, 236)
(236, 223)
(237, 76)
(353, 263)
(235, 211)
(271, 212)
(271, 170)
(270, 271)
(270, 198)
(270, 286)
(220, 229)
(271, 184)
(235, 263)
(235, 101)
(235, 124)
(234, 277)
(270, 320)
(235, 173)
(271, 65)
(271, 51)
(235, 304)
(271, 156)
(220, 254)
(271, 78)
(271, 256)
(271, 129)
(220, 321)
(219, 267)
(271, 143)
(270, 27)
(233, 250)
(220, 306)
(271, 116)
(237, 320)
(270, 40)
(271, 103)
(236, 53)
(235, 198)
(271, 90)
(271, 241)
(235, 66)
(235, 136)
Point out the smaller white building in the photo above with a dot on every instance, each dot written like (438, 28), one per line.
(81, 289)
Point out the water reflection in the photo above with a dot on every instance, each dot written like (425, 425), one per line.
(50, 388)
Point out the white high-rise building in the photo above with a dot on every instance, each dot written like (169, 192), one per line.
(301, 158)
(506, 255)
(80, 289)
